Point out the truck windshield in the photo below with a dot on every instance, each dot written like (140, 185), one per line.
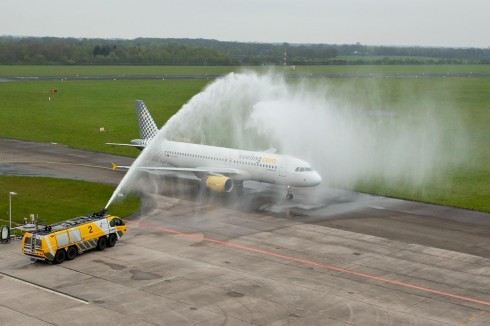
(116, 222)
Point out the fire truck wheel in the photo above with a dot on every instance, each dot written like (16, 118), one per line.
(60, 256)
(71, 253)
(112, 240)
(102, 243)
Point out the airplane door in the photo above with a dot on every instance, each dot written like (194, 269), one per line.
(282, 167)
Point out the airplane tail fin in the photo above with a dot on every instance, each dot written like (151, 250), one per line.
(147, 126)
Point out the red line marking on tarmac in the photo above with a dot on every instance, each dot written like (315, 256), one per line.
(313, 263)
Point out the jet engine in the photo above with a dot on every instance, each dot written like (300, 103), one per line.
(219, 183)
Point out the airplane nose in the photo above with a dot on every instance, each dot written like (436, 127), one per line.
(314, 179)
(317, 179)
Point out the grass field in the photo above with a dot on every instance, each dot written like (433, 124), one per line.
(75, 114)
(464, 105)
(57, 199)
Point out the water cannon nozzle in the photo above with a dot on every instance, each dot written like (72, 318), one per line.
(101, 213)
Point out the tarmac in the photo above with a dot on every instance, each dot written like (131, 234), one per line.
(346, 259)
(211, 77)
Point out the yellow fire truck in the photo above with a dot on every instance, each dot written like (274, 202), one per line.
(65, 240)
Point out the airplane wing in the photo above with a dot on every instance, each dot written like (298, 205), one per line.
(210, 170)
(130, 145)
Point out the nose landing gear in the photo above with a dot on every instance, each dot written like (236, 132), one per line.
(289, 195)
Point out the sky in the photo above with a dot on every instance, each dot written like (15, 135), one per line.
(447, 23)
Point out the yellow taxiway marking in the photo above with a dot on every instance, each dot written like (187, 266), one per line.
(471, 318)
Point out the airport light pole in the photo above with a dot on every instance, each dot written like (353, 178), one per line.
(10, 208)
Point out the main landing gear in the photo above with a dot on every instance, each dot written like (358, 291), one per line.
(289, 195)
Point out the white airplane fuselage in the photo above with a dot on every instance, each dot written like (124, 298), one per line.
(243, 165)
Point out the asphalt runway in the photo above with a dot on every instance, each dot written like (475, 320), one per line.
(56, 160)
(328, 257)
(211, 77)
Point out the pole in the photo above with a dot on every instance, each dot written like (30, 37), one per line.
(10, 208)
(10, 211)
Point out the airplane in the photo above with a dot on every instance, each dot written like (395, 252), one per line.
(220, 169)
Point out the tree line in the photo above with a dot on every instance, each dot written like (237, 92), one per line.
(151, 51)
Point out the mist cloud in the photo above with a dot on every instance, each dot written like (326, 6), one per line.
(346, 138)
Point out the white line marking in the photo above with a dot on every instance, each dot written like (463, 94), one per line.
(46, 289)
